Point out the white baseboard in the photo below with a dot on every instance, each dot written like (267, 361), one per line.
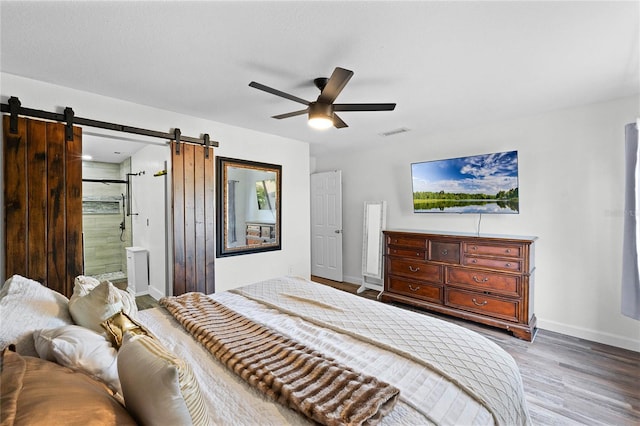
(592, 335)
(352, 280)
(155, 293)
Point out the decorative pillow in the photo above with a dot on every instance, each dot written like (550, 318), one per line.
(158, 387)
(80, 349)
(83, 284)
(38, 392)
(101, 303)
(119, 324)
(25, 306)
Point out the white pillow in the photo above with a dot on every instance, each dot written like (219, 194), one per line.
(83, 284)
(99, 304)
(25, 306)
(158, 387)
(80, 349)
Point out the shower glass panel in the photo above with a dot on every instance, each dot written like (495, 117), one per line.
(106, 226)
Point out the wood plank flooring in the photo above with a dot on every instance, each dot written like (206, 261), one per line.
(146, 301)
(567, 381)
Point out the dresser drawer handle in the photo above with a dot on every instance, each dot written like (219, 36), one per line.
(444, 252)
(475, 302)
(478, 280)
(507, 251)
(412, 269)
(418, 254)
(474, 247)
(412, 288)
(508, 265)
(474, 260)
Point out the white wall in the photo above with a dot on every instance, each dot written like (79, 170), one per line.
(294, 258)
(571, 178)
(149, 219)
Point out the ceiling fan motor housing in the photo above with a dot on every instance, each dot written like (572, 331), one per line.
(320, 82)
(319, 109)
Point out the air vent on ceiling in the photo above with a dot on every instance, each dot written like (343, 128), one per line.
(394, 132)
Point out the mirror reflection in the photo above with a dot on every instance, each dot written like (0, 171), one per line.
(248, 195)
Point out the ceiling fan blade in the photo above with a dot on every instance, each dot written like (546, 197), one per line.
(277, 93)
(338, 123)
(336, 83)
(364, 107)
(291, 114)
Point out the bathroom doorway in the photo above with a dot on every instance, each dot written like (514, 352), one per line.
(106, 221)
(126, 203)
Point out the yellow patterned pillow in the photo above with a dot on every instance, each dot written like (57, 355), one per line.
(158, 387)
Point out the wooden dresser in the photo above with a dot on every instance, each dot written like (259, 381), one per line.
(486, 279)
(260, 233)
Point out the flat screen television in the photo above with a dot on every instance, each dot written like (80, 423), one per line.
(486, 183)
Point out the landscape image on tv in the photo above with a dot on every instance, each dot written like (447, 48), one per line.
(478, 184)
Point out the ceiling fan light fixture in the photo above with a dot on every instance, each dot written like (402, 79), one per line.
(320, 123)
(321, 112)
(320, 115)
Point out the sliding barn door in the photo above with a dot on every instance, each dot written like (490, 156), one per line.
(193, 219)
(43, 203)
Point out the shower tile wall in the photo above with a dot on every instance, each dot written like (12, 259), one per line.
(103, 249)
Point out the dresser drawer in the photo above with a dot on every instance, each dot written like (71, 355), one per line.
(503, 250)
(406, 241)
(253, 230)
(514, 265)
(482, 304)
(421, 290)
(508, 285)
(416, 253)
(415, 270)
(444, 251)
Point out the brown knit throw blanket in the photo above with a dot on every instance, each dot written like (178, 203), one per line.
(285, 370)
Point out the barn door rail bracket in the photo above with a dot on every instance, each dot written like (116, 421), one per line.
(68, 128)
(14, 108)
(207, 144)
(177, 137)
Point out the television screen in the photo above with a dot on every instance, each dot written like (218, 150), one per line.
(478, 184)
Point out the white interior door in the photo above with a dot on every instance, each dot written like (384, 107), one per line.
(326, 225)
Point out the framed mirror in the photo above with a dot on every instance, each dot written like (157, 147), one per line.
(248, 196)
(375, 220)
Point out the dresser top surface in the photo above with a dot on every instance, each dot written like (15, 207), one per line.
(464, 234)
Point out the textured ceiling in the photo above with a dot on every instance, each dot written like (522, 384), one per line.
(446, 64)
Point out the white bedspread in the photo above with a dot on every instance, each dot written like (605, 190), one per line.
(332, 322)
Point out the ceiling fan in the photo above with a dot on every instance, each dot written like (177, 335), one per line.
(322, 110)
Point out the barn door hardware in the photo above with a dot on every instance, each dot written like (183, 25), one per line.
(207, 142)
(176, 136)
(68, 129)
(15, 108)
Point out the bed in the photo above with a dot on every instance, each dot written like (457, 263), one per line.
(408, 368)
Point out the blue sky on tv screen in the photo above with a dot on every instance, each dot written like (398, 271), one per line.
(478, 174)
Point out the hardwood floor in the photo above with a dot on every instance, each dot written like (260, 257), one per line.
(146, 302)
(567, 381)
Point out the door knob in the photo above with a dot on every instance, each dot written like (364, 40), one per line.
(337, 231)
